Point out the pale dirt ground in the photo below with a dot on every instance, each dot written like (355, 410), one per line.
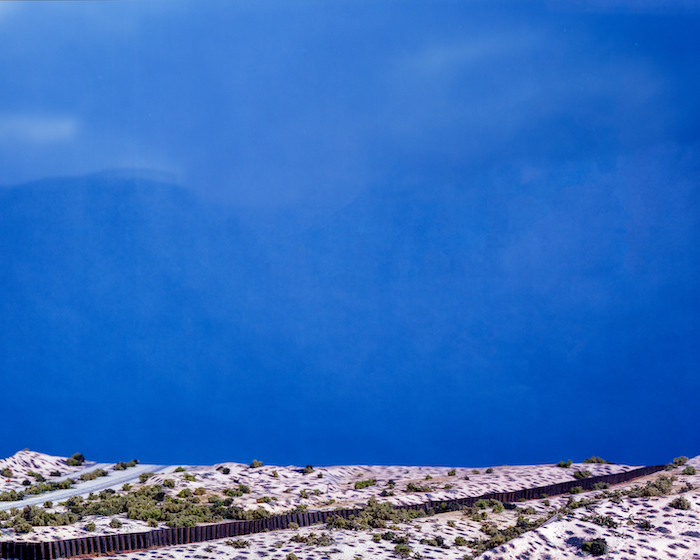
(676, 533)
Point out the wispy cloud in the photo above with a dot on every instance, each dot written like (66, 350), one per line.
(37, 130)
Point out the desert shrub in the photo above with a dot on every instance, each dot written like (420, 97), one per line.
(126, 487)
(189, 477)
(601, 486)
(185, 493)
(680, 503)
(179, 469)
(466, 477)
(645, 524)
(120, 466)
(93, 475)
(497, 506)
(21, 525)
(48, 504)
(659, 487)
(460, 541)
(576, 490)
(453, 472)
(264, 500)
(37, 476)
(475, 471)
(200, 491)
(595, 459)
(169, 483)
(403, 550)
(690, 469)
(308, 469)
(274, 474)
(256, 464)
(580, 475)
(90, 526)
(376, 537)
(238, 543)
(6, 472)
(143, 477)
(565, 464)
(680, 461)
(244, 488)
(304, 494)
(226, 470)
(292, 556)
(75, 460)
(230, 492)
(26, 482)
(602, 520)
(489, 470)
(481, 504)
(115, 523)
(448, 486)
(412, 487)
(596, 547)
(360, 484)
(545, 502)
(152, 523)
(293, 525)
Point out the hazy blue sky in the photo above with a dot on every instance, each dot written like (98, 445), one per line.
(426, 232)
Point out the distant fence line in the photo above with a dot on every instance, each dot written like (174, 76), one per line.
(117, 543)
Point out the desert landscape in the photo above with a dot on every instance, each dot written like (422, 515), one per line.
(651, 517)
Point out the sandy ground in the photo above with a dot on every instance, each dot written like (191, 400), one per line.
(675, 533)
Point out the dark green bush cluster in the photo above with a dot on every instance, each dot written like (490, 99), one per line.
(6, 472)
(238, 543)
(374, 516)
(659, 487)
(690, 469)
(33, 516)
(360, 484)
(595, 459)
(501, 536)
(256, 464)
(602, 520)
(576, 490)
(149, 502)
(308, 469)
(680, 461)
(224, 470)
(580, 475)
(122, 466)
(179, 469)
(435, 541)
(37, 476)
(11, 496)
(565, 464)
(93, 475)
(453, 472)
(412, 487)
(324, 539)
(680, 503)
(55, 473)
(144, 476)
(169, 483)
(50, 486)
(187, 476)
(76, 460)
(489, 470)
(596, 547)
(601, 486)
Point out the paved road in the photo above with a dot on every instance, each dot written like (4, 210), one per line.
(115, 479)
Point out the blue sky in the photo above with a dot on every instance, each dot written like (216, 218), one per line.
(350, 232)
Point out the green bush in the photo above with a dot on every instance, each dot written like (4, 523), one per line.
(293, 525)
(264, 500)
(200, 491)
(308, 469)
(244, 489)
(475, 471)
(143, 477)
(126, 487)
(90, 526)
(595, 459)
(680, 503)
(48, 504)
(576, 490)
(256, 464)
(115, 523)
(460, 541)
(292, 556)
(376, 537)
(596, 547)
(304, 494)
(680, 461)
(21, 525)
(402, 550)
(274, 474)
(412, 487)
(6, 473)
(179, 469)
(152, 523)
(453, 472)
(489, 470)
(238, 543)
(580, 475)
(360, 484)
(565, 464)
(690, 469)
(185, 493)
(601, 486)
(169, 483)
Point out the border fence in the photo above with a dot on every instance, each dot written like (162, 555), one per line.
(117, 543)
